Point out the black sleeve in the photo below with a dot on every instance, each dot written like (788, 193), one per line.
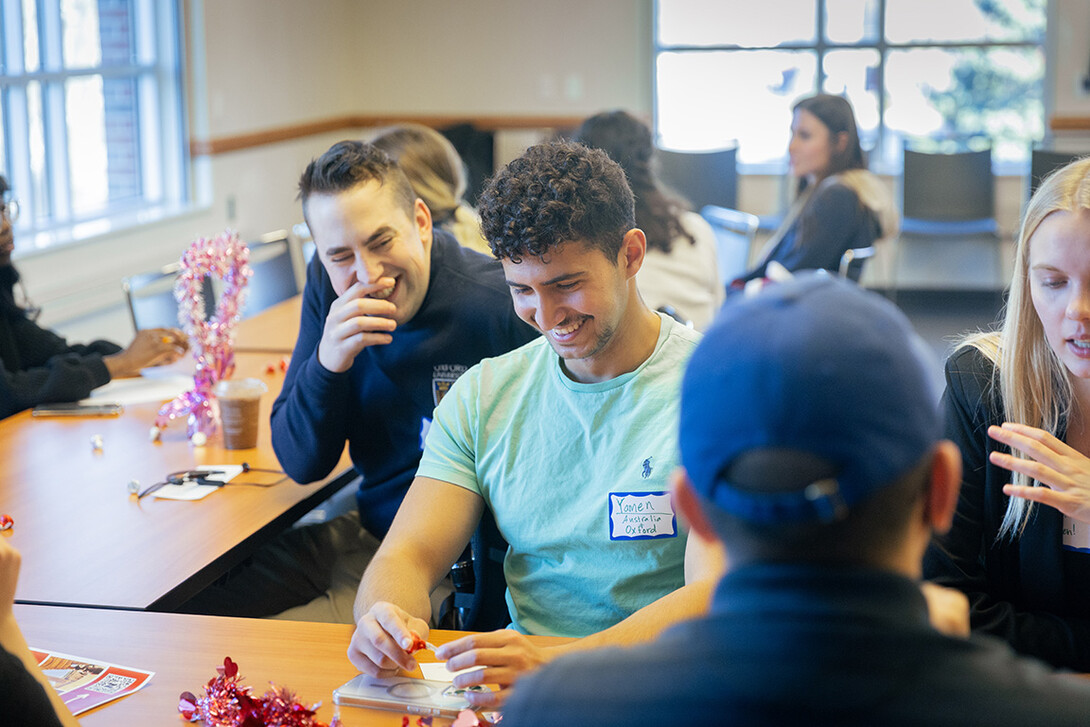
(829, 225)
(969, 557)
(309, 418)
(52, 370)
(23, 700)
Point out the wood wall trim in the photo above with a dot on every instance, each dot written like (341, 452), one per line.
(1069, 123)
(224, 144)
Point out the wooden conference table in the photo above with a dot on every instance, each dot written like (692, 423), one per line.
(271, 331)
(183, 651)
(86, 541)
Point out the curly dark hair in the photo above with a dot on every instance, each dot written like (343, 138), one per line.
(349, 163)
(628, 142)
(555, 193)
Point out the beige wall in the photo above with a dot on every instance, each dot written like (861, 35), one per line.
(503, 56)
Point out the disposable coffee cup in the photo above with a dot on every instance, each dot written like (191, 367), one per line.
(239, 401)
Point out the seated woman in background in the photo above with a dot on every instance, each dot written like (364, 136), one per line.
(438, 177)
(680, 271)
(839, 204)
(1017, 403)
(40, 367)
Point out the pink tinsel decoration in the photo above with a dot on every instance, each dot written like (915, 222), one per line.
(228, 703)
(212, 341)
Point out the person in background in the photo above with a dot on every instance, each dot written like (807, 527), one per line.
(26, 697)
(1017, 402)
(568, 441)
(438, 177)
(839, 205)
(40, 367)
(680, 271)
(825, 480)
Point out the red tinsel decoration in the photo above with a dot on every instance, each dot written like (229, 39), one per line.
(229, 703)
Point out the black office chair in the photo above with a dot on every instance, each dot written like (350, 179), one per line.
(150, 298)
(479, 601)
(701, 177)
(1045, 161)
(948, 201)
(274, 278)
(734, 233)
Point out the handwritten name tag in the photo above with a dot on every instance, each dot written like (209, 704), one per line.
(1076, 535)
(641, 516)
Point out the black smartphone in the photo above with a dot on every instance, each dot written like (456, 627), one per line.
(75, 409)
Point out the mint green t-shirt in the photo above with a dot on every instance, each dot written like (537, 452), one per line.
(577, 476)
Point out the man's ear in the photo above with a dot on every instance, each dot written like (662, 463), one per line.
(633, 249)
(945, 482)
(422, 218)
(688, 505)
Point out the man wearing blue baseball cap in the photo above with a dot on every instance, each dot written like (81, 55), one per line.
(810, 441)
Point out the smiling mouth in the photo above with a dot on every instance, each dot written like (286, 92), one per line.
(564, 332)
(384, 293)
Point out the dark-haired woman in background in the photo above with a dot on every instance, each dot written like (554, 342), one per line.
(38, 366)
(680, 270)
(839, 205)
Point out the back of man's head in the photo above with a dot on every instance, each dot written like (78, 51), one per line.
(349, 163)
(808, 420)
(555, 193)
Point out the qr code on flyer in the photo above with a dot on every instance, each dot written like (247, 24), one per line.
(111, 684)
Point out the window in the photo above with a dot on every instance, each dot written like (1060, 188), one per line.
(91, 112)
(937, 72)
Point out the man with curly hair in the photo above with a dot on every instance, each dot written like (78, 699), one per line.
(568, 441)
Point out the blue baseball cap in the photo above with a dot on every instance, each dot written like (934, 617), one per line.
(814, 366)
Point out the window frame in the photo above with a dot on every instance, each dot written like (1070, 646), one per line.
(47, 216)
(821, 47)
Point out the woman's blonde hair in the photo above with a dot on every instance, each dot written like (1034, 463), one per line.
(431, 163)
(1034, 385)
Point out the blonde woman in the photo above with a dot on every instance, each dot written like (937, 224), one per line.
(438, 177)
(1017, 403)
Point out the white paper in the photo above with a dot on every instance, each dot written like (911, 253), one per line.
(194, 491)
(152, 386)
(437, 671)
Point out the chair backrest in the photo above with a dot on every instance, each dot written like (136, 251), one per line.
(150, 298)
(274, 276)
(734, 234)
(1045, 161)
(301, 231)
(851, 262)
(954, 187)
(702, 177)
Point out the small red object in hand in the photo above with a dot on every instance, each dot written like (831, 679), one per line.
(7, 522)
(417, 645)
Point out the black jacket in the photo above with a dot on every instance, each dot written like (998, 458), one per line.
(38, 366)
(1028, 590)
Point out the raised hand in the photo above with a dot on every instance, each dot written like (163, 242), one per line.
(1063, 470)
(355, 321)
